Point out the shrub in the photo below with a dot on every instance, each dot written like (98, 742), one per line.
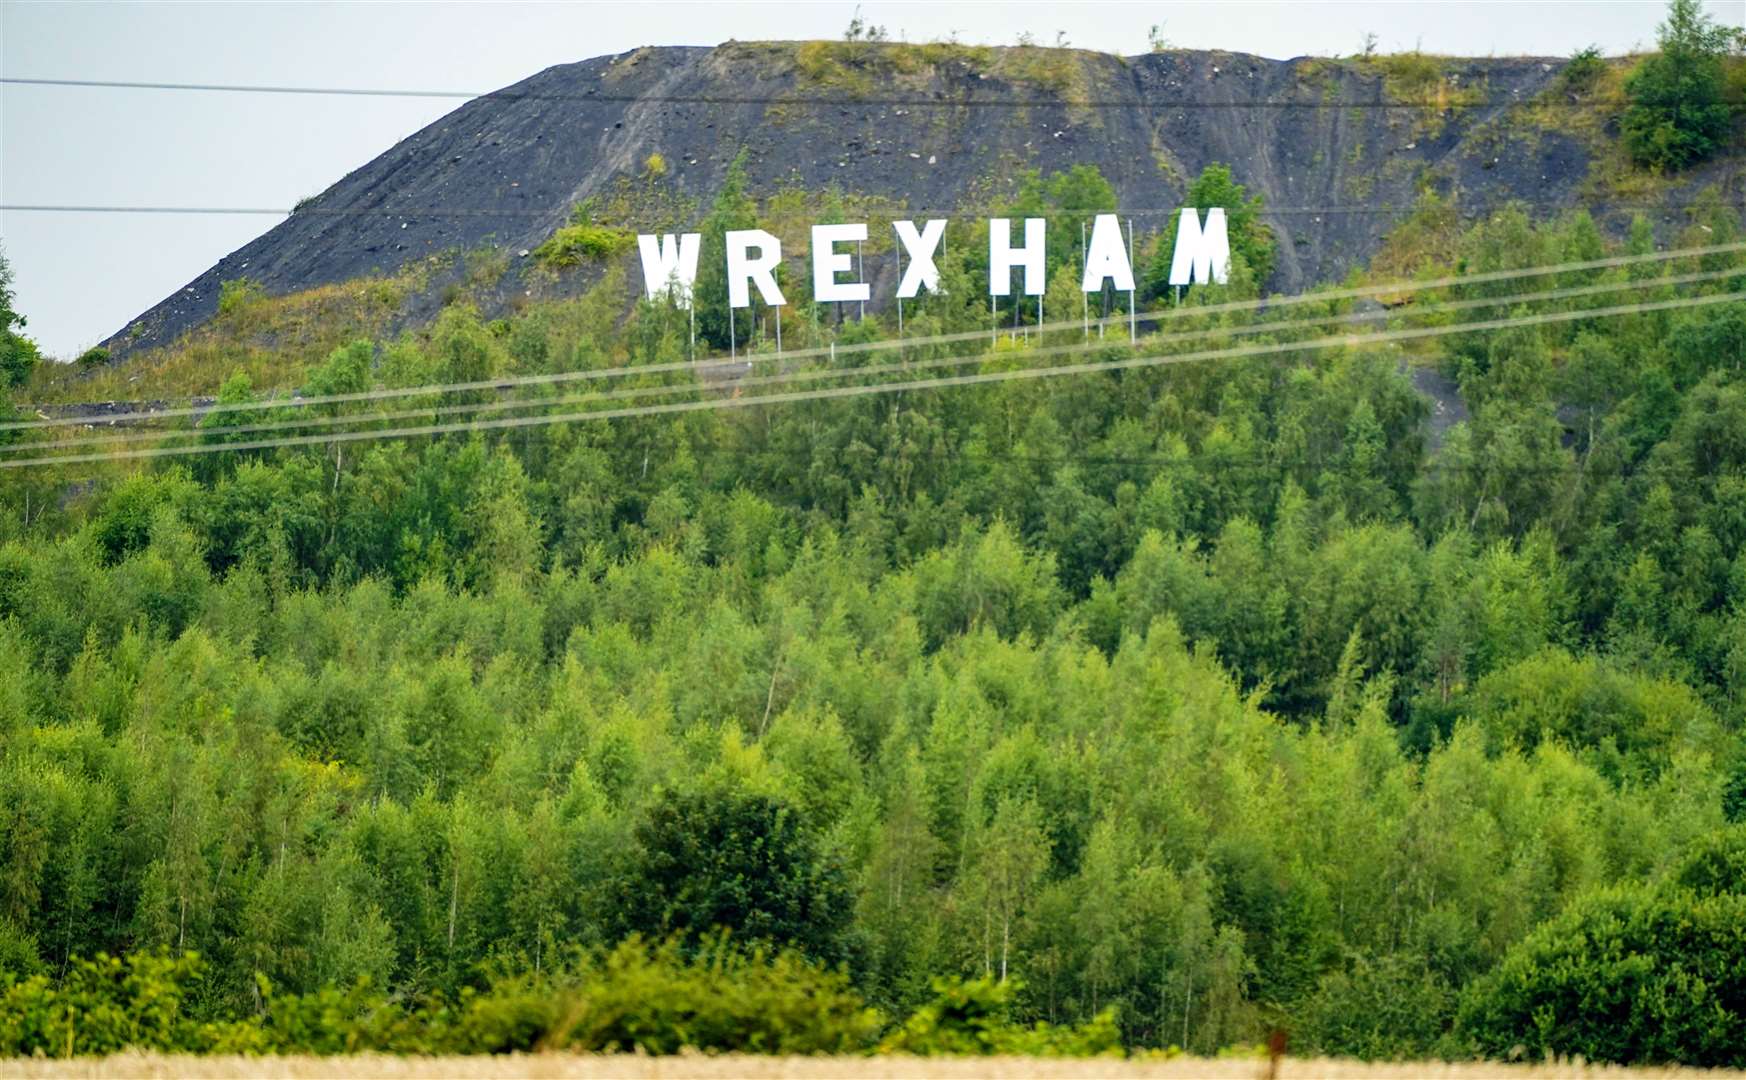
(101, 1006)
(633, 998)
(724, 999)
(571, 244)
(239, 293)
(18, 354)
(326, 1021)
(1734, 793)
(18, 358)
(1584, 70)
(1628, 975)
(18, 955)
(655, 165)
(94, 357)
(1387, 1008)
(1715, 864)
(969, 1018)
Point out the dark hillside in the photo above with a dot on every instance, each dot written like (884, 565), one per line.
(1338, 148)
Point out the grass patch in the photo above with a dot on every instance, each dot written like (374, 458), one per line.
(1423, 80)
(1061, 71)
(1583, 102)
(1420, 243)
(274, 340)
(859, 67)
(644, 203)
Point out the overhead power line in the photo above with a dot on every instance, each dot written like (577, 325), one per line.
(860, 373)
(415, 212)
(940, 100)
(1162, 315)
(1150, 360)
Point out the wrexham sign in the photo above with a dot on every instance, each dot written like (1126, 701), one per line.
(1202, 253)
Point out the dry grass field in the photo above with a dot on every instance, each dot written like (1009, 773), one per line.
(731, 1067)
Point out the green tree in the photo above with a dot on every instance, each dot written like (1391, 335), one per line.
(1008, 856)
(18, 354)
(1678, 114)
(734, 209)
(1251, 238)
(1625, 975)
(747, 862)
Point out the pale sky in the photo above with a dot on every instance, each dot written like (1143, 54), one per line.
(80, 277)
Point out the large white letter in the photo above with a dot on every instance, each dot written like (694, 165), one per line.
(741, 267)
(1201, 253)
(1002, 258)
(920, 248)
(1107, 257)
(669, 260)
(827, 263)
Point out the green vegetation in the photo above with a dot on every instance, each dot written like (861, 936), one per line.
(1678, 115)
(1252, 250)
(1146, 708)
(652, 1000)
(632, 998)
(584, 240)
(1626, 975)
(18, 355)
(1585, 70)
(1420, 79)
(274, 340)
(860, 65)
(239, 294)
(740, 860)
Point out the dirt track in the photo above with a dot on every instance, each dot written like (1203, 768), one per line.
(626, 1067)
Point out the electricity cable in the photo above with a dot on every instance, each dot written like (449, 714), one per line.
(1158, 316)
(816, 375)
(716, 404)
(510, 93)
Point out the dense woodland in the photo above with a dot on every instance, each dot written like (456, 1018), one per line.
(1230, 696)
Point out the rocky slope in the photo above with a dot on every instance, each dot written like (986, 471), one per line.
(1339, 149)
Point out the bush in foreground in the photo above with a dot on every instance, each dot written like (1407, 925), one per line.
(634, 998)
(971, 1018)
(1630, 975)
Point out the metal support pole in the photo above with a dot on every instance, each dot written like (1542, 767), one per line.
(1039, 317)
(1133, 325)
(861, 273)
(778, 329)
(1084, 297)
(898, 259)
(733, 345)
